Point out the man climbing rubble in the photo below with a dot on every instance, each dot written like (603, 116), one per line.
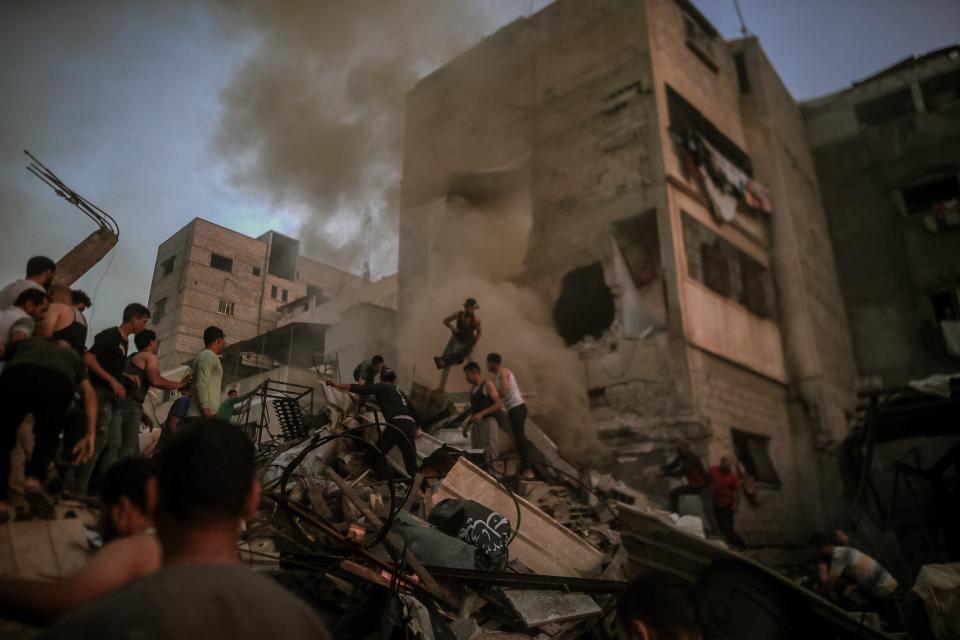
(485, 403)
(516, 409)
(466, 329)
(399, 414)
(688, 464)
(726, 499)
(367, 371)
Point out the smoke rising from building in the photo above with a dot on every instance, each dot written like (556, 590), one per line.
(315, 115)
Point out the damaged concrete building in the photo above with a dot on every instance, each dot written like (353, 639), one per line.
(207, 274)
(675, 229)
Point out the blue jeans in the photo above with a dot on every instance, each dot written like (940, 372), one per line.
(131, 409)
(107, 445)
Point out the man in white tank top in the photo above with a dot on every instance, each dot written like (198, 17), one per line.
(516, 410)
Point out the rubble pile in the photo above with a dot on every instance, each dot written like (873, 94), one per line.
(458, 551)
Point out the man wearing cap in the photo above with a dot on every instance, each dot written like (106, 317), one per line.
(466, 330)
(399, 414)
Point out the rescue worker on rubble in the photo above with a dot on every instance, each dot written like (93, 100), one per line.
(516, 410)
(485, 404)
(399, 414)
(128, 498)
(688, 464)
(848, 570)
(466, 331)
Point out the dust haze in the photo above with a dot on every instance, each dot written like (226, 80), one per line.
(477, 249)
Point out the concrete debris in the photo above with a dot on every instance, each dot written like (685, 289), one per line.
(460, 551)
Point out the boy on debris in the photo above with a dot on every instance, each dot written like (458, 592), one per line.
(208, 487)
(516, 409)
(367, 371)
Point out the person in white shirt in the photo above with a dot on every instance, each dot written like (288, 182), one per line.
(516, 410)
(40, 272)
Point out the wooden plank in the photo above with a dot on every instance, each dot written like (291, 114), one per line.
(549, 607)
(541, 544)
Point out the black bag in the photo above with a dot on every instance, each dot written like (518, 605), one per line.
(488, 531)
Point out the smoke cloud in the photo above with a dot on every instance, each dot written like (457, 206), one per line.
(315, 115)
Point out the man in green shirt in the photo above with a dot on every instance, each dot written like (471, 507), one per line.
(228, 408)
(208, 375)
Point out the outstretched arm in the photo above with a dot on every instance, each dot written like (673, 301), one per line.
(155, 379)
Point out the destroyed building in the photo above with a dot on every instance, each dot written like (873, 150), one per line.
(887, 154)
(207, 274)
(652, 185)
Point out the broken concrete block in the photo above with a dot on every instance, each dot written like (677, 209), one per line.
(544, 607)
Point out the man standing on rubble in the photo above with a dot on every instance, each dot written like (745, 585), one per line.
(207, 489)
(106, 360)
(466, 331)
(400, 415)
(64, 321)
(141, 371)
(688, 464)
(513, 402)
(208, 375)
(726, 500)
(485, 403)
(40, 272)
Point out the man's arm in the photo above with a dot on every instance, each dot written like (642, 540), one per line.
(115, 565)
(152, 367)
(674, 469)
(83, 450)
(362, 389)
(450, 318)
(479, 328)
(208, 406)
(93, 365)
(506, 374)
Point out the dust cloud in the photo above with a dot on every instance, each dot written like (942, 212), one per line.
(477, 250)
(315, 114)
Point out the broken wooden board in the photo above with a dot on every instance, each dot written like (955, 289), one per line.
(536, 608)
(42, 548)
(541, 544)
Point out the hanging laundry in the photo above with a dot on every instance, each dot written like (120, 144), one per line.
(724, 205)
(758, 197)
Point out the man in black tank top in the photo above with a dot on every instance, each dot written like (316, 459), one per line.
(485, 405)
(141, 371)
(466, 331)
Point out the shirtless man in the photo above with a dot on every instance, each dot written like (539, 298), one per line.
(142, 371)
(63, 320)
(129, 496)
(466, 331)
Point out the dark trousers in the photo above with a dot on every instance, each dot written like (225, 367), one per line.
(404, 437)
(724, 516)
(518, 419)
(457, 350)
(28, 389)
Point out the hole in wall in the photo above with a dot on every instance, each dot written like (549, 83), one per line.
(585, 306)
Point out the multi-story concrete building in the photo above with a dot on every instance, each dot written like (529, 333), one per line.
(702, 304)
(210, 275)
(887, 153)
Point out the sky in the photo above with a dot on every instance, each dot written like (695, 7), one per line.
(139, 106)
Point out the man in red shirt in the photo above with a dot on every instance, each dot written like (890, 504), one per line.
(726, 499)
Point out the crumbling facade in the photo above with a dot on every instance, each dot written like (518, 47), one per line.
(887, 154)
(206, 275)
(700, 309)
